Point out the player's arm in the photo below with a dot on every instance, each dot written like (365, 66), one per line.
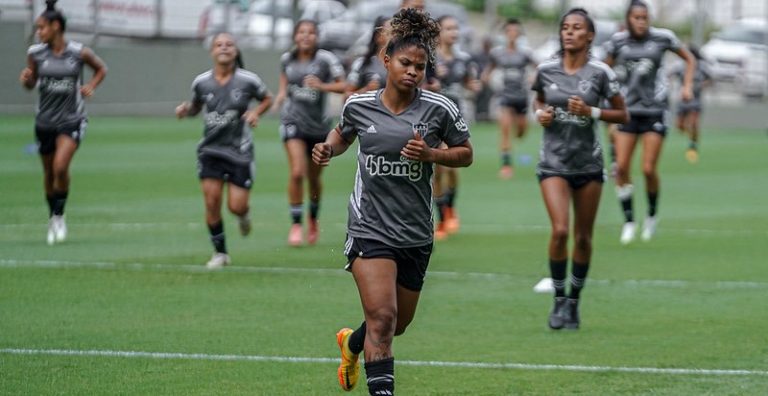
(99, 71)
(28, 77)
(690, 70)
(252, 116)
(485, 76)
(460, 155)
(544, 114)
(616, 114)
(282, 92)
(334, 145)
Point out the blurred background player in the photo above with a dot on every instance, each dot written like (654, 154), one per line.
(307, 74)
(367, 72)
(225, 153)
(637, 55)
(389, 232)
(569, 90)
(456, 71)
(689, 112)
(55, 65)
(513, 104)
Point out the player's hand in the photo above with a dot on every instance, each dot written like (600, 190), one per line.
(322, 153)
(686, 94)
(182, 110)
(417, 149)
(312, 81)
(86, 90)
(251, 118)
(577, 106)
(26, 76)
(546, 116)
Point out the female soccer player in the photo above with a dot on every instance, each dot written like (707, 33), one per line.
(55, 65)
(367, 72)
(225, 154)
(389, 233)
(513, 105)
(688, 112)
(637, 55)
(455, 71)
(569, 90)
(307, 74)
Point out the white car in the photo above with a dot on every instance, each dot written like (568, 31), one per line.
(738, 55)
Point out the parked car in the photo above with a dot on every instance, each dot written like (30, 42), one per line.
(738, 55)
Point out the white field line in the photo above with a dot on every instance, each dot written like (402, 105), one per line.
(301, 359)
(489, 276)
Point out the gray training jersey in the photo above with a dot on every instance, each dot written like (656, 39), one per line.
(392, 198)
(305, 107)
(700, 76)
(226, 135)
(360, 75)
(514, 65)
(59, 78)
(570, 145)
(637, 63)
(457, 70)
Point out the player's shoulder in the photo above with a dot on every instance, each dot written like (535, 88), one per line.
(360, 100)
(550, 64)
(662, 33)
(286, 57)
(463, 56)
(619, 37)
(204, 76)
(248, 76)
(326, 56)
(75, 46)
(36, 48)
(438, 100)
(601, 67)
(357, 63)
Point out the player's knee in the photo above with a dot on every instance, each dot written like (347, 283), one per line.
(560, 235)
(238, 208)
(296, 176)
(582, 242)
(60, 174)
(382, 322)
(649, 170)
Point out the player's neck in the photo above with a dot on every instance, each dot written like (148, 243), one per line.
(223, 72)
(512, 46)
(396, 101)
(305, 55)
(58, 45)
(446, 51)
(573, 61)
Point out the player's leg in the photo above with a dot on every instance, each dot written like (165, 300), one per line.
(237, 203)
(585, 203)
(692, 153)
(505, 121)
(557, 199)
(297, 167)
(62, 158)
(47, 162)
(652, 144)
(314, 174)
(452, 183)
(625, 146)
(438, 192)
(212, 196)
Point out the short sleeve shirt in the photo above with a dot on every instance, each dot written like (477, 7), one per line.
(360, 75)
(514, 64)
(59, 79)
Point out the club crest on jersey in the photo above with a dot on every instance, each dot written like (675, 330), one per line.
(236, 94)
(584, 86)
(421, 128)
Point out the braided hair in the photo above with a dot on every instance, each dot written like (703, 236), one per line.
(51, 14)
(411, 27)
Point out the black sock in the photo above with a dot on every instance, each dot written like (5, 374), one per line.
(693, 145)
(557, 270)
(296, 212)
(450, 197)
(653, 199)
(357, 339)
(506, 159)
(51, 203)
(314, 209)
(626, 205)
(381, 377)
(578, 277)
(440, 203)
(59, 201)
(217, 237)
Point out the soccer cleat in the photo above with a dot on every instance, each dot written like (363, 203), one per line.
(59, 228)
(557, 316)
(295, 237)
(452, 223)
(628, 232)
(50, 238)
(649, 228)
(692, 155)
(218, 260)
(349, 370)
(571, 318)
(440, 233)
(313, 232)
(245, 224)
(506, 172)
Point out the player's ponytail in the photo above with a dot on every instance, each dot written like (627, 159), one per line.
(411, 27)
(239, 60)
(51, 14)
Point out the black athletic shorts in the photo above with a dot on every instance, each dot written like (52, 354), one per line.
(519, 104)
(642, 124)
(291, 131)
(575, 181)
(411, 262)
(684, 108)
(46, 137)
(240, 175)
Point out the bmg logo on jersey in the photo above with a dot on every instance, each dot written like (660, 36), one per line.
(377, 165)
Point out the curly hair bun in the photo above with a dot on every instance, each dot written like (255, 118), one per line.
(410, 24)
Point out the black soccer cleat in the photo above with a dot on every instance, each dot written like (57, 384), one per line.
(571, 314)
(557, 316)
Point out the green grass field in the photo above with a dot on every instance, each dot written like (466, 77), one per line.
(130, 278)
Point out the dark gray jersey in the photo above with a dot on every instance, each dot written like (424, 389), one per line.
(392, 198)
(637, 63)
(570, 145)
(305, 107)
(226, 134)
(457, 70)
(514, 64)
(59, 78)
(360, 75)
(700, 76)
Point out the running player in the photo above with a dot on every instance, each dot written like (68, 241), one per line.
(637, 55)
(389, 233)
(367, 72)
(569, 90)
(513, 104)
(307, 75)
(55, 65)
(225, 153)
(689, 112)
(456, 72)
